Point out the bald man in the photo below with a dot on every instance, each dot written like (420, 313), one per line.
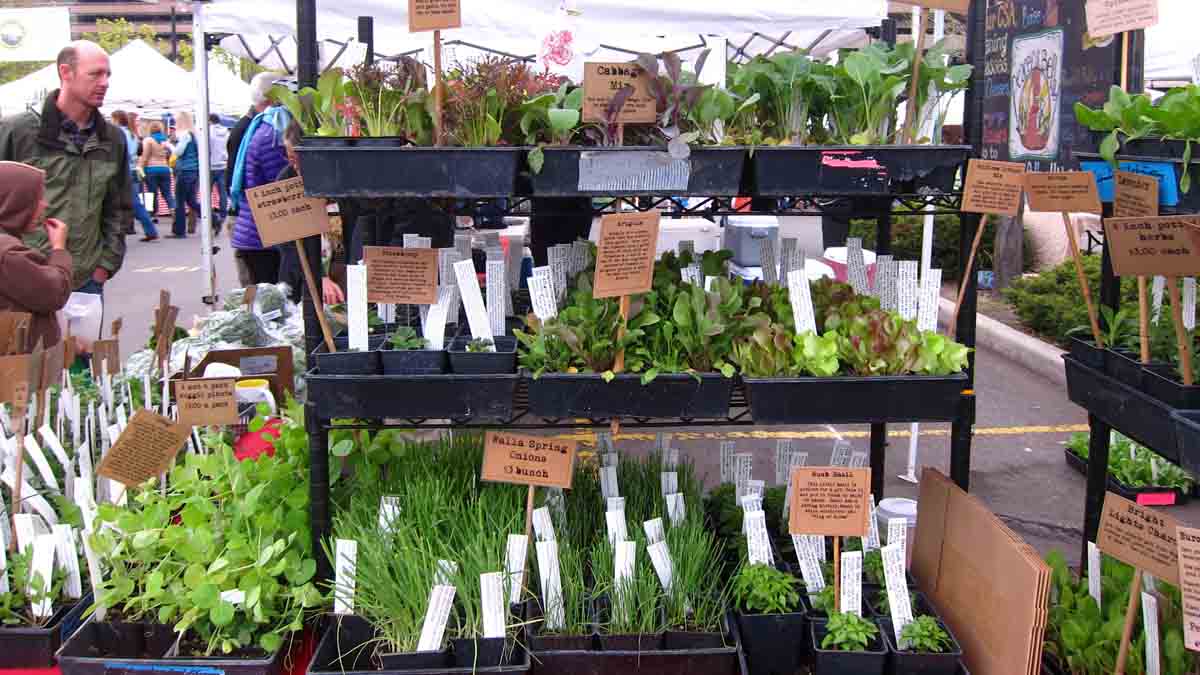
(86, 164)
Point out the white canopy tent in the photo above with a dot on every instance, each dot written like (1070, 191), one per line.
(1170, 46)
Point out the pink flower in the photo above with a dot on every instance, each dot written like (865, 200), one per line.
(557, 48)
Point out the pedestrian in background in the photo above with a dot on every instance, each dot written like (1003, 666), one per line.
(121, 119)
(218, 157)
(259, 161)
(156, 151)
(187, 176)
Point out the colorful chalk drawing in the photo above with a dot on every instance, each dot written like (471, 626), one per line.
(1034, 113)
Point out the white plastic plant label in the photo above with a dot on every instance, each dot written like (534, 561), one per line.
(851, 600)
(743, 469)
(758, 542)
(856, 268)
(543, 527)
(710, 284)
(468, 286)
(557, 257)
(617, 531)
(95, 572)
(513, 253)
(1093, 573)
(34, 452)
(906, 290)
(669, 481)
(491, 588)
(581, 254)
(165, 399)
(444, 572)
(691, 274)
(800, 297)
(727, 448)
(897, 589)
(878, 286)
(434, 330)
(792, 460)
(496, 288)
(27, 530)
(541, 295)
(660, 557)
(604, 443)
(755, 488)
(1156, 295)
(624, 555)
(387, 312)
(787, 256)
(548, 571)
(356, 307)
(389, 513)
(51, 440)
(654, 530)
(841, 453)
(872, 541)
(67, 560)
(346, 551)
(608, 482)
(931, 289)
(859, 459)
(676, 511)
(615, 504)
(814, 580)
(1150, 629)
(441, 601)
(514, 563)
(897, 534)
(768, 261)
(783, 448)
(462, 244)
(610, 458)
(1189, 302)
(42, 569)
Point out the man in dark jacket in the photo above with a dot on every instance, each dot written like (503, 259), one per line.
(86, 165)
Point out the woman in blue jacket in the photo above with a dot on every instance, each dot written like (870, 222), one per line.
(187, 176)
(260, 160)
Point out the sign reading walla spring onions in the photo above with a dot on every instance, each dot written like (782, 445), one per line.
(528, 460)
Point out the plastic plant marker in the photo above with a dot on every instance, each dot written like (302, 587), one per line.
(927, 309)
(897, 588)
(468, 286)
(346, 552)
(67, 559)
(767, 258)
(800, 297)
(850, 597)
(660, 557)
(441, 600)
(1150, 630)
(42, 565)
(518, 545)
(491, 586)
(856, 267)
(356, 307)
(543, 526)
(548, 569)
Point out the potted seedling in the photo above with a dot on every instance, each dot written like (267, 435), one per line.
(926, 648)
(407, 353)
(1133, 470)
(480, 552)
(629, 618)
(482, 356)
(578, 630)
(32, 617)
(696, 603)
(770, 615)
(847, 644)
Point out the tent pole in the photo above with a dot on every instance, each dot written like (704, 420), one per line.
(200, 130)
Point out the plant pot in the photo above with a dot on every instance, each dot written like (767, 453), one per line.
(28, 647)
(1186, 425)
(412, 361)
(561, 643)
(770, 641)
(1150, 495)
(834, 662)
(414, 397)
(389, 171)
(1087, 353)
(792, 170)
(415, 660)
(685, 640)
(345, 362)
(572, 171)
(852, 399)
(631, 643)
(558, 396)
(1127, 368)
(1162, 383)
(346, 647)
(503, 361)
(98, 648)
(921, 663)
(481, 652)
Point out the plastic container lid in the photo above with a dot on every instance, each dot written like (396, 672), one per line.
(897, 507)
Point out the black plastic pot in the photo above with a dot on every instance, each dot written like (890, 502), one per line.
(561, 643)
(414, 660)
(832, 662)
(345, 362)
(922, 606)
(847, 400)
(919, 663)
(1186, 425)
(631, 643)
(412, 361)
(1087, 353)
(789, 171)
(1156, 495)
(481, 652)
(390, 171)
(1126, 367)
(1162, 383)
(503, 361)
(771, 641)
(1128, 411)
(345, 649)
(31, 647)
(575, 171)
(414, 397)
(680, 640)
(109, 648)
(557, 396)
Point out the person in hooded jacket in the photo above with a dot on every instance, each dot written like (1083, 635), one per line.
(260, 160)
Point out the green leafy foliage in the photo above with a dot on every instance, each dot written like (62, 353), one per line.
(848, 632)
(1135, 465)
(392, 99)
(321, 111)
(1051, 305)
(552, 119)
(405, 337)
(761, 589)
(26, 590)
(480, 345)
(926, 636)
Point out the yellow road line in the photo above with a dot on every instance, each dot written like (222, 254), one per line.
(941, 430)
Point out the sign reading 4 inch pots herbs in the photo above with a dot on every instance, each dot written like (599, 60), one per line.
(282, 212)
(539, 461)
(830, 501)
(1165, 245)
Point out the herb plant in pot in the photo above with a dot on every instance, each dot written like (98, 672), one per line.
(629, 618)
(577, 629)
(695, 605)
(848, 644)
(926, 647)
(481, 356)
(770, 616)
(29, 637)
(406, 353)
(482, 552)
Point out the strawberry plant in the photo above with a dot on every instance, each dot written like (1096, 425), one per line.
(405, 337)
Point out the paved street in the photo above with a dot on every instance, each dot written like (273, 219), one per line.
(1017, 459)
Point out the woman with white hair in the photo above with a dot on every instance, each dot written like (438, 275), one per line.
(260, 100)
(187, 176)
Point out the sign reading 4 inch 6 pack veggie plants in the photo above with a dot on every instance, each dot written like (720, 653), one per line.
(528, 460)
(830, 501)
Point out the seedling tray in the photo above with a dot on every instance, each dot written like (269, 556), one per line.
(1162, 382)
(346, 362)
(349, 168)
(639, 171)
(99, 648)
(786, 171)
(1087, 353)
(848, 400)
(557, 396)
(1186, 424)
(503, 361)
(346, 636)
(1151, 495)
(413, 397)
(29, 647)
(1127, 368)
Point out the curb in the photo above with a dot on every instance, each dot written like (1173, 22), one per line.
(1036, 355)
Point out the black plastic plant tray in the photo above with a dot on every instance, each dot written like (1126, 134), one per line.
(28, 647)
(413, 397)
(773, 643)
(788, 171)
(1087, 353)
(557, 396)
(358, 170)
(346, 638)
(922, 606)
(1151, 495)
(125, 649)
(1186, 424)
(913, 663)
(847, 400)
(829, 662)
(346, 362)
(1126, 367)
(640, 171)
(1128, 411)
(1162, 382)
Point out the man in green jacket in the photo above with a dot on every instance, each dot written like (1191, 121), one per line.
(86, 165)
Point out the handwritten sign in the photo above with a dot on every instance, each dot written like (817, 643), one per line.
(426, 15)
(144, 450)
(830, 501)
(1188, 540)
(403, 276)
(1135, 195)
(1149, 246)
(1109, 17)
(993, 187)
(625, 256)
(1069, 191)
(528, 460)
(282, 212)
(601, 81)
(206, 401)
(1139, 536)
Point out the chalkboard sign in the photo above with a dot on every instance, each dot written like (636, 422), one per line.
(1037, 62)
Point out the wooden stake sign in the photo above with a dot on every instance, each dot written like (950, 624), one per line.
(601, 81)
(539, 461)
(626, 253)
(426, 15)
(1134, 195)
(206, 401)
(1153, 246)
(1109, 17)
(830, 501)
(402, 276)
(144, 450)
(1188, 540)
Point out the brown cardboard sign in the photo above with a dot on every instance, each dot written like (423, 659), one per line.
(106, 351)
(528, 460)
(1139, 536)
(993, 187)
(1153, 246)
(1134, 195)
(116, 326)
(13, 371)
(426, 15)
(1188, 539)
(206, 401)
(282, 212)
(1109, 17)
(601, 81)
(625, 256)
(830, 501)
(1063, 191)
(144, 450)
(403, 276)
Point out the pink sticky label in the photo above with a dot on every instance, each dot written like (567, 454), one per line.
(849, 159)
(1156, 498)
